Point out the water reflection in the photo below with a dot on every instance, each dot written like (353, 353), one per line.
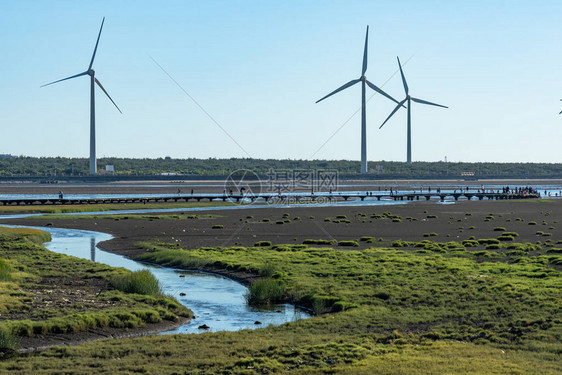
(93, 249)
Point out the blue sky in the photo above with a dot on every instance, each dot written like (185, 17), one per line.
(257, 67)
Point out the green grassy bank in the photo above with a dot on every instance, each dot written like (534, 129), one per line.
(43, 293)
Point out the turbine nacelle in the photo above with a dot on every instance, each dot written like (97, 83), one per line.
(91, 72)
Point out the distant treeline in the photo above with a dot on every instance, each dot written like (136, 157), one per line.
(24, 166)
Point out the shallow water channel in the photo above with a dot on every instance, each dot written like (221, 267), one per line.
(216, 301)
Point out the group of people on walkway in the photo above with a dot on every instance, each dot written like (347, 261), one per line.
(521, 190)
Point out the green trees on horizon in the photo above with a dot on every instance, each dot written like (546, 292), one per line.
(59, 166)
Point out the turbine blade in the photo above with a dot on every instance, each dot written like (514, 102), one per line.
(350, 83)
(426, 102)
(393, 112)
(403, 78)
(64, 79)
(380, 91)
(96, 47)
(101, 87)
(365, 52)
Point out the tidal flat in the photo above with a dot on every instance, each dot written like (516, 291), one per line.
(472, 287)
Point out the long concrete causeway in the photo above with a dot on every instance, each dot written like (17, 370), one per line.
(265, 197)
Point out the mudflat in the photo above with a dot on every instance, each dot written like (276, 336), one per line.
(532, 220)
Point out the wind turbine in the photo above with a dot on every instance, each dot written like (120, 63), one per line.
(93, 82)
(408, 99)
(363, 81)
(560, 111)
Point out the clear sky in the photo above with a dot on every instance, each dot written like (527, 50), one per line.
(257, 67)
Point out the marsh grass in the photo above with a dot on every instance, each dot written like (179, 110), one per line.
(265, 292)
(319, 306)
(367, 239)
(348, 243)
(262, 244)
(23, 235)
(164, 254)
(139, 282)
(504, 237)
(5, 271)
(8, 341)
(267, 269)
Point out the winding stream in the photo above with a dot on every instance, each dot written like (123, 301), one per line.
(216, 301)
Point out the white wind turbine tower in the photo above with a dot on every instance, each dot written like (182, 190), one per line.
(93, 82)
(408, 99)
(363, 81)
